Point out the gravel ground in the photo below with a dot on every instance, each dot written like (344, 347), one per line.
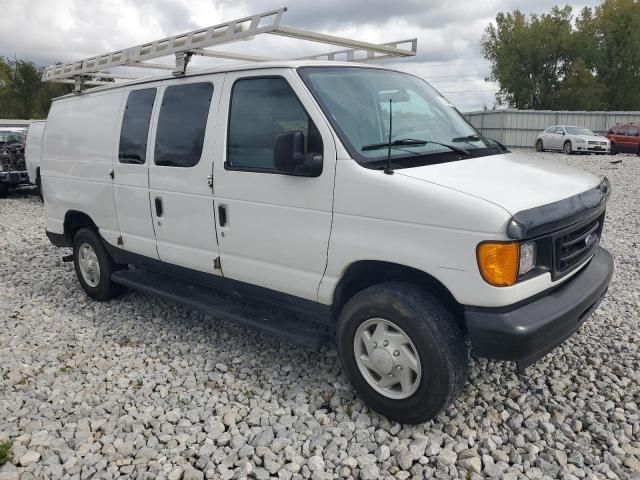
(141, 388)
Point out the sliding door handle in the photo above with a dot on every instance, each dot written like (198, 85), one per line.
(159, 209)
(222, 215)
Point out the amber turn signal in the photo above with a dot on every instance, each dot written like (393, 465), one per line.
(498, 262)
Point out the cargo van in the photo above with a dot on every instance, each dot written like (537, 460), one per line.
(328, 201)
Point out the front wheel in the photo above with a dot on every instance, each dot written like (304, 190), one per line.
(402, 351)
(613, 150)
(539, 146)
(94, 266)
(4, 189)
(567, 147)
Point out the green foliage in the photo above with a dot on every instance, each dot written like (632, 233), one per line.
(22, 93)
(549, 61)
(5, 452)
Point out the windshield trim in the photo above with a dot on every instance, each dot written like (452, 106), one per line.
(398, 158)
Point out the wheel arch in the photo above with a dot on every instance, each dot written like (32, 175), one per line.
(74, 220)
(366, 273)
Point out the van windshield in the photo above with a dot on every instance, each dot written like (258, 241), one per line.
(356, 100)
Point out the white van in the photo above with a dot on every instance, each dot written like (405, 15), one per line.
(353, 198)
(33, 150)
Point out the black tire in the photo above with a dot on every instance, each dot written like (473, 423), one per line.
(437, 339)
(105, 288)
(4, 190)
(613, 150)
(566, 148)
(539, 146)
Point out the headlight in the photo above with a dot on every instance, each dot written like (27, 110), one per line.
(527, 257)
(498, 262)
(580, 140)
(501, 263)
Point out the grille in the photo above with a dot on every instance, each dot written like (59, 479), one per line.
(593, 142)
(576, 244)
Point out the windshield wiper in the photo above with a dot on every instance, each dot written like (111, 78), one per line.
(474, 137)
(407, 142)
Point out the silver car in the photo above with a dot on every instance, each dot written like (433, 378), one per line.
(572, 139)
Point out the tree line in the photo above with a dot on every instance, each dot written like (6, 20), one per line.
(22, 92)
(557, 62)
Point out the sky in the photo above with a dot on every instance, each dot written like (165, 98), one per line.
(449, 54)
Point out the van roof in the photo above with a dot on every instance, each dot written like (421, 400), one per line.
(290, 64)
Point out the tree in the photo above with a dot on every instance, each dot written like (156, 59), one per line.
(610, 45)
(528, 55)
(581, 90)
(548, 62)
(22, 93)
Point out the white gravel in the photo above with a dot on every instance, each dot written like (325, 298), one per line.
(140, 388)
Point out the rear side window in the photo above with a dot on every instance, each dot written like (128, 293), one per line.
(633, 132)
(261, 109)
(135, 126)
(182, 123)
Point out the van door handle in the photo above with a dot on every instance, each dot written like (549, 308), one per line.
(158, 202)
(222, 215)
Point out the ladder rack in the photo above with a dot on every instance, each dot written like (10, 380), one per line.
(91, 70)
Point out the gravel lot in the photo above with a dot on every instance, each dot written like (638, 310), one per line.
(141, 388)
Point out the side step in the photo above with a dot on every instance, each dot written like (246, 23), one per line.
(250, 313)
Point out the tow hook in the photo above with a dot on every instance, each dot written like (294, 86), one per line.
(67, 258)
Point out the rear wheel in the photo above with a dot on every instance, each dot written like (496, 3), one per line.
(94, 266)
(402, 351)
(539, 146)
(4, 189)
(567, 147)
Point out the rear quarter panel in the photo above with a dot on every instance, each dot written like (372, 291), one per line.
(33, 149)
(78, 150)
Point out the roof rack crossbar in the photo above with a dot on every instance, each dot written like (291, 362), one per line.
(351, 54)
(182, 47)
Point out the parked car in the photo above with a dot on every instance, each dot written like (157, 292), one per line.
(572, 139)
(33, 151)
(12, 167)
(355, 198)
(625, 138)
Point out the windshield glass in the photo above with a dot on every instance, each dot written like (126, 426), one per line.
(12, 136)
(579, 131)
(357, 100)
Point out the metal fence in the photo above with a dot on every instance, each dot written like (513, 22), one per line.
(14, 123)
(519, 128)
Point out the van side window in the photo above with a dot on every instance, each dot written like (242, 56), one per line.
(633, 132)
(135, 126)
(261, 109)
(182, 123)
(621, 131)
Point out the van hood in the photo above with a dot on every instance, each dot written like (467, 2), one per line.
(514, 181)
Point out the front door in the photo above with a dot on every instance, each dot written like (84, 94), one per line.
(180, 196)
(273, 228)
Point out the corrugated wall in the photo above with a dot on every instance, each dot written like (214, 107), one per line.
(519, 128)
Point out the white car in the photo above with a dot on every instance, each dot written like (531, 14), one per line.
(285, 183)
(572, 139)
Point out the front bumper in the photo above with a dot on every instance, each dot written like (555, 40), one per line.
(592, 148)
(527, 332)
(14, 178)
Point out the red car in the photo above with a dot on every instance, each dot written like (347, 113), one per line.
(625, 138)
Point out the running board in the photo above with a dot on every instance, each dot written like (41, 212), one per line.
(250, 313)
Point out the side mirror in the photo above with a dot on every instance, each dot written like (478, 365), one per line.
(289, 157)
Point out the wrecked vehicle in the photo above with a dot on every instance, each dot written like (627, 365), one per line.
(13, 170)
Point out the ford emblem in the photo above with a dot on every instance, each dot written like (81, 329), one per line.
(591, 239)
